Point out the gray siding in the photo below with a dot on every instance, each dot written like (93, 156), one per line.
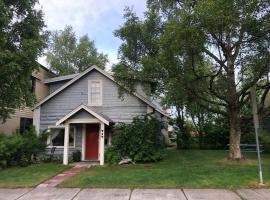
(82, 114)
(117, 109)
(54, 86)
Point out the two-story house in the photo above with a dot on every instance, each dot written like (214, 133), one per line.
(22, 119)
(81, 109)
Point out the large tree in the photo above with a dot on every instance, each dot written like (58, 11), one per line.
(66, 55)
(21, 41)
(218, 49)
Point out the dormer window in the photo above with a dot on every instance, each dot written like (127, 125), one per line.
(95, 93)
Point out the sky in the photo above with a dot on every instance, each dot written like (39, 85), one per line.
(97, 18)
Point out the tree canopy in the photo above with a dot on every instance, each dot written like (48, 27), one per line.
(22, 40)
(209, 52)
(67, 54)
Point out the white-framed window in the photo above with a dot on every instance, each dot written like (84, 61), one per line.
(57, 135)
(94, 92)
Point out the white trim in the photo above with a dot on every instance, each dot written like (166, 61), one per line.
(66, 85)
(36, 119)
(101, 93)
(83, 141)
(150, 109)
(101, 143)
(105, 74)
(66, 146)
(134, 93)
(52, 126)
(80, 121)
(78, 109)
(49, 140)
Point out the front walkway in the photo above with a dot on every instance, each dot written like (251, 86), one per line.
(61, 177)
(136, 194)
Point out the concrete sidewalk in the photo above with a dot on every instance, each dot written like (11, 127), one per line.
(136, 194)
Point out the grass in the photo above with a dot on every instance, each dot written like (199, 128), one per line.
(28, 176)
(179, 169)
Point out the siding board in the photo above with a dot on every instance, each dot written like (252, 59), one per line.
(118, 109)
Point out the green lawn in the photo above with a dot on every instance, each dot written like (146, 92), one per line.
(185, 169)
(28, 176)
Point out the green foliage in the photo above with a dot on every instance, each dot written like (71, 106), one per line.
(19, 149)
(198, 53)
(22, 40)
(184, 137)
(76, 156)
(216, 135)
(112, 156)
(178, 169)
(31, 176)
(264, 139)
(66, 55)
(57, 158)
(140, 140)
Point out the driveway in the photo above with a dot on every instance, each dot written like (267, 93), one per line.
(136, 194)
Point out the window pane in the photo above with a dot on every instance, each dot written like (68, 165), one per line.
(71, 136)
(25, 124)
(58, 134)
(95, 96)
(58, 137)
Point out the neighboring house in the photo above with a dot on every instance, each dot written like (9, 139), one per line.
(22, 119)
(81, 109)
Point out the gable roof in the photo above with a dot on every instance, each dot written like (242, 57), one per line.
(145, 100)
(60, 78)
(45, 68)
(102, 118)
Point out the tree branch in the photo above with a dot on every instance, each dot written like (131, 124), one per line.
(238, 43)
(262, 102)
(220, 62)
(243, 100)
(223, 98)
(248, 86)
(211, 109)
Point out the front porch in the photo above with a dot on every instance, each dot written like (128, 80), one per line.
(93, 142)
(83, 129)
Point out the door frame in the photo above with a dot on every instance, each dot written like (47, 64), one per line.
(100, 140)
(85, 147)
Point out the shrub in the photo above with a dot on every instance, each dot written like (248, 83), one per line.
(20, 149)
(76, 156)
(264, 139)
(140, 140)
(58, 158)
(112, 156)
(184, 138)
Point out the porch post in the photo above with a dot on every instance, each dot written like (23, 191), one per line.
(83, 141)
(101, 143)
(66, 144)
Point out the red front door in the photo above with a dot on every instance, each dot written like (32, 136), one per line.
(91, 149)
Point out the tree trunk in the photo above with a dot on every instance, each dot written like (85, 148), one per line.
(233, 110)
(235, 136)
(181, 141)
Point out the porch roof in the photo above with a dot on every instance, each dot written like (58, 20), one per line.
(101, 117)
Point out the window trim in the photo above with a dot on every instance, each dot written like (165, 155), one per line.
(22, 127)
(89, 93)
(61, 127)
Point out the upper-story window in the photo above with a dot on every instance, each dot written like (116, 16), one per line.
(33, 83)
(95, 92)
